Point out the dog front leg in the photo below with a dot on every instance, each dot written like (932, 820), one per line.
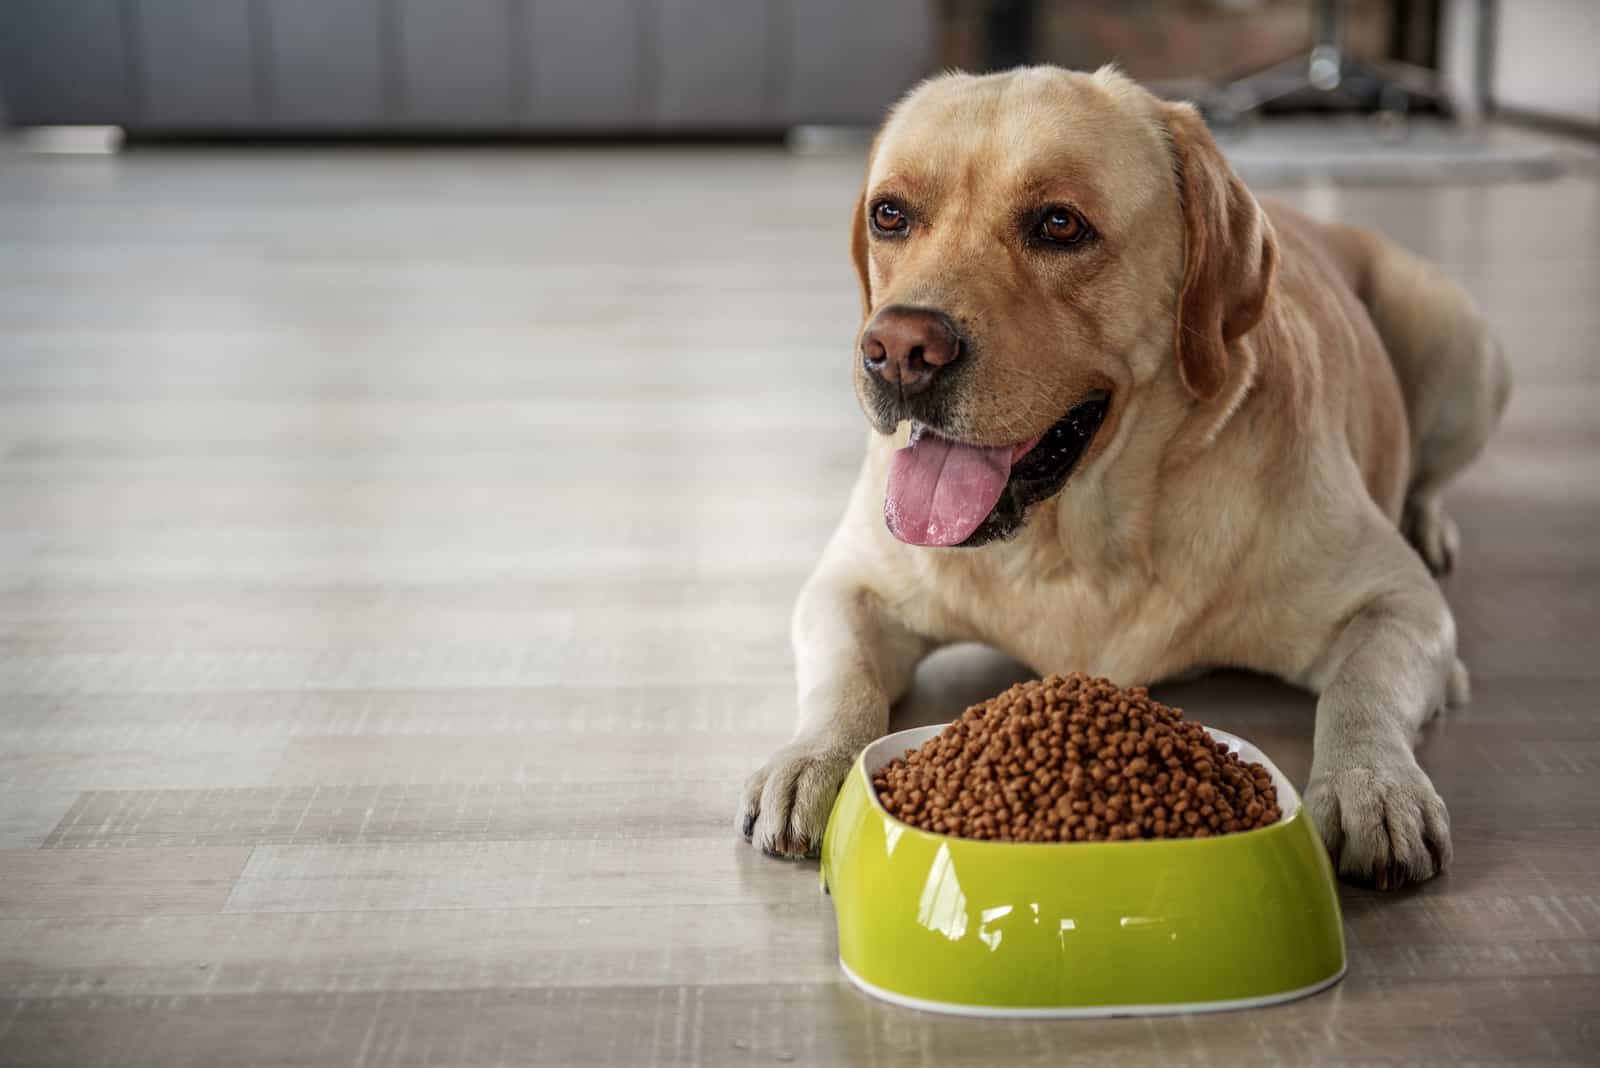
(852, 661)
(1391, 668)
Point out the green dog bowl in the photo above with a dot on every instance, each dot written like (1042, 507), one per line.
(985, 928)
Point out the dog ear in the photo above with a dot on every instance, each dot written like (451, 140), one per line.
(858, 233)
(1231, 254)
(858, 252)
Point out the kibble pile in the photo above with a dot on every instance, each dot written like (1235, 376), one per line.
(1075, 759)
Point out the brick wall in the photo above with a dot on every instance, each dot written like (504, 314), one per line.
(1164, 40)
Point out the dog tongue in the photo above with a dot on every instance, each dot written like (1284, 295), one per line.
(940, 490)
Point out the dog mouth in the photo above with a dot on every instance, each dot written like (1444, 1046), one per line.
(947, 493)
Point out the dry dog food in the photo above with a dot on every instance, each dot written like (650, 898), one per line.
(1075, 759)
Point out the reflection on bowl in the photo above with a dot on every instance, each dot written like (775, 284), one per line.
(1083, 928)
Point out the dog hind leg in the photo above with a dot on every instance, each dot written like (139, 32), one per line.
(1452, 371)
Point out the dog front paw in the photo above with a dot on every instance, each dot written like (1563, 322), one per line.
(1386, 825)
(785, 805)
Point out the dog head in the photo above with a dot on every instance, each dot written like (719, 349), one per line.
(1033, 248)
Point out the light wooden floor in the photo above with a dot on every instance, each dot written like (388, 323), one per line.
(395, 557)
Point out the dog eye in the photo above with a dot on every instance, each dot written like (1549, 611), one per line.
(1062, 226)
(888, 219)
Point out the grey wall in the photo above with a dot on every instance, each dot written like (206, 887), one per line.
(484, 65)
(1547, 59)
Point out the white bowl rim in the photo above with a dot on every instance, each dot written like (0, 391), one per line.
(894, 745)
(1089, 1012)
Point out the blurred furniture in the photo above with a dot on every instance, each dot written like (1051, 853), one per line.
(462, 66)
(1331, 77)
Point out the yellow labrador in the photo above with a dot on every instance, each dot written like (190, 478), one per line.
(1129, 421)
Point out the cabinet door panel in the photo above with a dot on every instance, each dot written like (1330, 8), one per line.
(196, 63)
(455, 62)
(586, 63)
(326, 62)
(63, 61)
(713, 59)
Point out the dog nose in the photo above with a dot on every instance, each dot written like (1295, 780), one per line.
(908, 346)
